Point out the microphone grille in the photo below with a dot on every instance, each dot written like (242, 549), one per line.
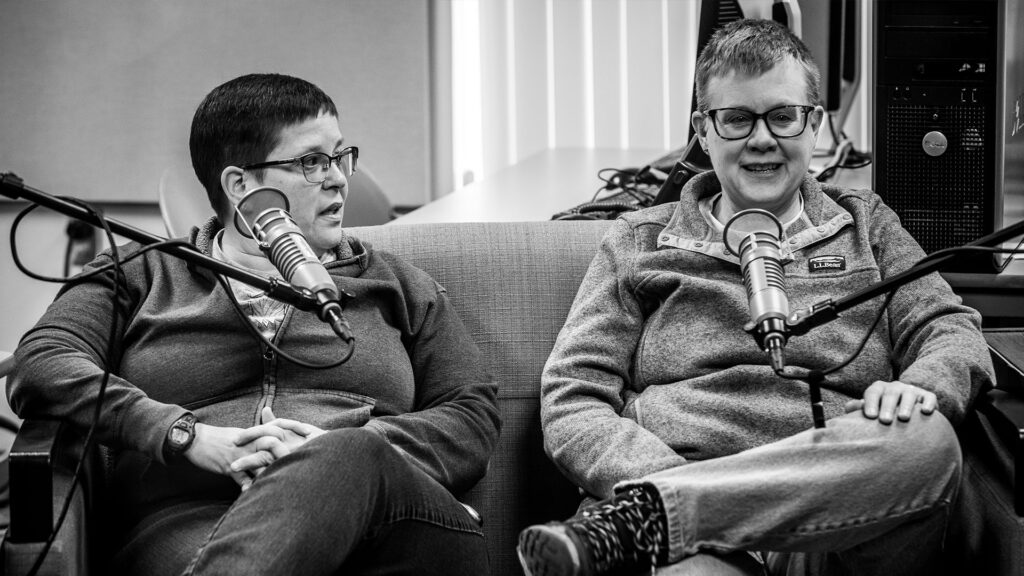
(287, 256)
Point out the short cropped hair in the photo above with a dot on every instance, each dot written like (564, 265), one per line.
(240, 122)
(753, 47)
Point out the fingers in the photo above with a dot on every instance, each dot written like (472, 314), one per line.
(872, 400)
(888, 401)
(250, 434)
(908, 400)
(853, 406)
(300, 428)
(887, 407)
(242, 479)
(273, 445)
(276, 427)
(252, 463)
(930, 402)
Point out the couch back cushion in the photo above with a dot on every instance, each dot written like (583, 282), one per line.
(513, 284)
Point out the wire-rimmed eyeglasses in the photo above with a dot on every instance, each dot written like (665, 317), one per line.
(782, 122)
(316, 165)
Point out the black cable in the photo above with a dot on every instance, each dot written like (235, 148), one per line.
(809, 374)
(9, 424)
(851, 357)
(81, 278)
(832, 131)
(626, 180)
(92, 273)
(862, 161)
(119, 281)
(259, 335)
(986, 249)
(67, 255)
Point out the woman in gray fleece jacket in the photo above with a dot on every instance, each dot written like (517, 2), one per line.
(231, 459)
(656, 400)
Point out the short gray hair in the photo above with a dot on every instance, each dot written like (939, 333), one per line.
(753, 47)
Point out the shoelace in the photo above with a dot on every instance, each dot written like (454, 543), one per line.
(641, 517)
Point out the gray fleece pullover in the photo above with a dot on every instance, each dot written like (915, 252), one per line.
(653, 368)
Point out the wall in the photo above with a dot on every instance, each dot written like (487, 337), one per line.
(98, 96)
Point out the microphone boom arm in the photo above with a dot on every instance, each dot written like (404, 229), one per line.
(14, 188)
(804, 320)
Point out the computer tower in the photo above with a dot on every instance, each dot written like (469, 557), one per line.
(947, 93)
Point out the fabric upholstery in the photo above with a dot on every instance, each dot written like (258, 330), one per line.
(512, 284)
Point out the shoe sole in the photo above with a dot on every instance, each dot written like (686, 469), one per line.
(548, 551)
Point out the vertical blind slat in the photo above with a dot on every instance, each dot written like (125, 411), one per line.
(644, 56)
(531, 77)
(607, 79)
(494, 87)
(682, 55)
(570, 122)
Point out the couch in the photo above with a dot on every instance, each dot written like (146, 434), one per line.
(513, 284)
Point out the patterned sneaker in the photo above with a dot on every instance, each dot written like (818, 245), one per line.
(617, 536)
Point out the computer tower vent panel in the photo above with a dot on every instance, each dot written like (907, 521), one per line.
(935, 171)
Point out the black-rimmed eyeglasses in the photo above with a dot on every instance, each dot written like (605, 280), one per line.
(316, 165)
(782, 122)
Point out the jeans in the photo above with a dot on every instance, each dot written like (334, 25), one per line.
(857, 497)
(345, 502)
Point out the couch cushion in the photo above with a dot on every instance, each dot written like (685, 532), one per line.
(513, 284)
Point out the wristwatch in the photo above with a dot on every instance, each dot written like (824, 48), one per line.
(179, 436)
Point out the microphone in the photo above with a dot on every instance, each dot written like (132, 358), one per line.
(264, 211)
(754, 235)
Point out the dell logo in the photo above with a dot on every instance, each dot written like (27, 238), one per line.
(934, 143)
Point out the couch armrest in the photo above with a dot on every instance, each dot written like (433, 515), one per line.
(42, 462)
(31, 463)
(1004, 406)
(1006, 346)
(1005, 412)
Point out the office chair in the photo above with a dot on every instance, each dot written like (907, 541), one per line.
(183, 202)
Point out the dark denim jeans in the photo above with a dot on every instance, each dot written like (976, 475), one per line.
(346, 502)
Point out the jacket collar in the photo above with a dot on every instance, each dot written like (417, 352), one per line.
(690, 227)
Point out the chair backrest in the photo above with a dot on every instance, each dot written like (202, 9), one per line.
(367, 204)
(183, 202)
(6, 363)
(512, 284)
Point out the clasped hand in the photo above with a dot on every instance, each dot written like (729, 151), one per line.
(243, 453)
(885, 400)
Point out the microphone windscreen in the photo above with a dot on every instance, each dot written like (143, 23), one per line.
(256, 202)
(746, 222)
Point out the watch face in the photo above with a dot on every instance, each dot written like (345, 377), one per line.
(179, 436)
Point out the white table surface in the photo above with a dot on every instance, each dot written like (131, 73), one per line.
(533, 189)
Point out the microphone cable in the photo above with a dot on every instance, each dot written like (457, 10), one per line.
(629, 190)
(81, 278)
(120, 282)
(818, 375)
(259, 336)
